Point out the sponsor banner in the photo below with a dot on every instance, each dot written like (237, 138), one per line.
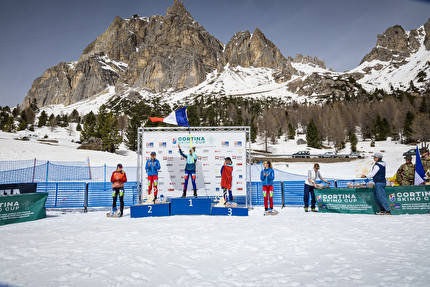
(402, 200)
(22, 207)
(212, 147)
(350, 200)
(409, 199)
(17, 188)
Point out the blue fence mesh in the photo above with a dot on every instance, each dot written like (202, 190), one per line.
(293, 192)
(257, 193)
(100, 194)
(52, 171)
(68, 183)
(63, 194)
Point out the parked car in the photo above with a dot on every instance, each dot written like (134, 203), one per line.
(329, 154)
(411, 152)
(355, 154)
(301, 154)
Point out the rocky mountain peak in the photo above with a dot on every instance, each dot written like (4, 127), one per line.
(255, 50)
(155, 54)
(177, 10)
(427, 35)
(395, 44)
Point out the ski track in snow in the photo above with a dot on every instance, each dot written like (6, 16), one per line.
(292, 249)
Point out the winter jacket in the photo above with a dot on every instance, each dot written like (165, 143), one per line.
(405, 174)
(378, 172)
(269, 176)
(118, 178)
(226, 176)
(191, 161)
(152, 167)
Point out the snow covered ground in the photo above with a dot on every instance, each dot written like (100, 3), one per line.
(292, 249)
(70, 248)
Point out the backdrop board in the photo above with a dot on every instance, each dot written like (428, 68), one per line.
(213, 145)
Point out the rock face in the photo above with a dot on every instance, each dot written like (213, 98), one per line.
(395, 44)
(157, 54)
(255, 50)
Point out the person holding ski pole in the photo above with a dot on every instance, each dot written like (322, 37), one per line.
(226, 179)
(118, 179)
(267, 176)
(152, 167)
(190, 169)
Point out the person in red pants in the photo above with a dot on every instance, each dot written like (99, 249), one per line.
(267, 176)
(152, 167)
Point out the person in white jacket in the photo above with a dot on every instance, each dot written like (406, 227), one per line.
(310, 184)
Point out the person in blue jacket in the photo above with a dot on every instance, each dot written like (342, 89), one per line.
(152, 167)
(378, 174)
(267, 176)
(190, 170)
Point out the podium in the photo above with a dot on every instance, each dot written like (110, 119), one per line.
(150, 210)
(190, 206)
(230, 211)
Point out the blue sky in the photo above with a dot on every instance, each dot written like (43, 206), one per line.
(37, 35)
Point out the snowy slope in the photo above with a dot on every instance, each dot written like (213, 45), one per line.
(234, 81)
(398, 78)
(292, 249)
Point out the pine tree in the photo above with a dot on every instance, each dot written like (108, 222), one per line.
(131, 133)
(22, 121)
(353, 140)
(43, 118)
(89, 128)
(74, 116)
(193, 117)
(312, 135)
(107, 129)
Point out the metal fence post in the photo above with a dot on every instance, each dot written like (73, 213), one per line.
(86, 198)
(47, 171)
(282, 194)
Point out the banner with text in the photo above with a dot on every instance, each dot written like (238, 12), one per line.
(22, 207)
(212, 147)
(402, 200)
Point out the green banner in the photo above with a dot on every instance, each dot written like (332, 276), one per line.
(402, 200)
(22, 207)
(413, 199)
(348, 200)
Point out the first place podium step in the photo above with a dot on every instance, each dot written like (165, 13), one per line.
(190, 206)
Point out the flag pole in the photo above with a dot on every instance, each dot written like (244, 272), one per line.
(189, 130)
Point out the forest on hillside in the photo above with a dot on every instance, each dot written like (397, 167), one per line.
(401, 115)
